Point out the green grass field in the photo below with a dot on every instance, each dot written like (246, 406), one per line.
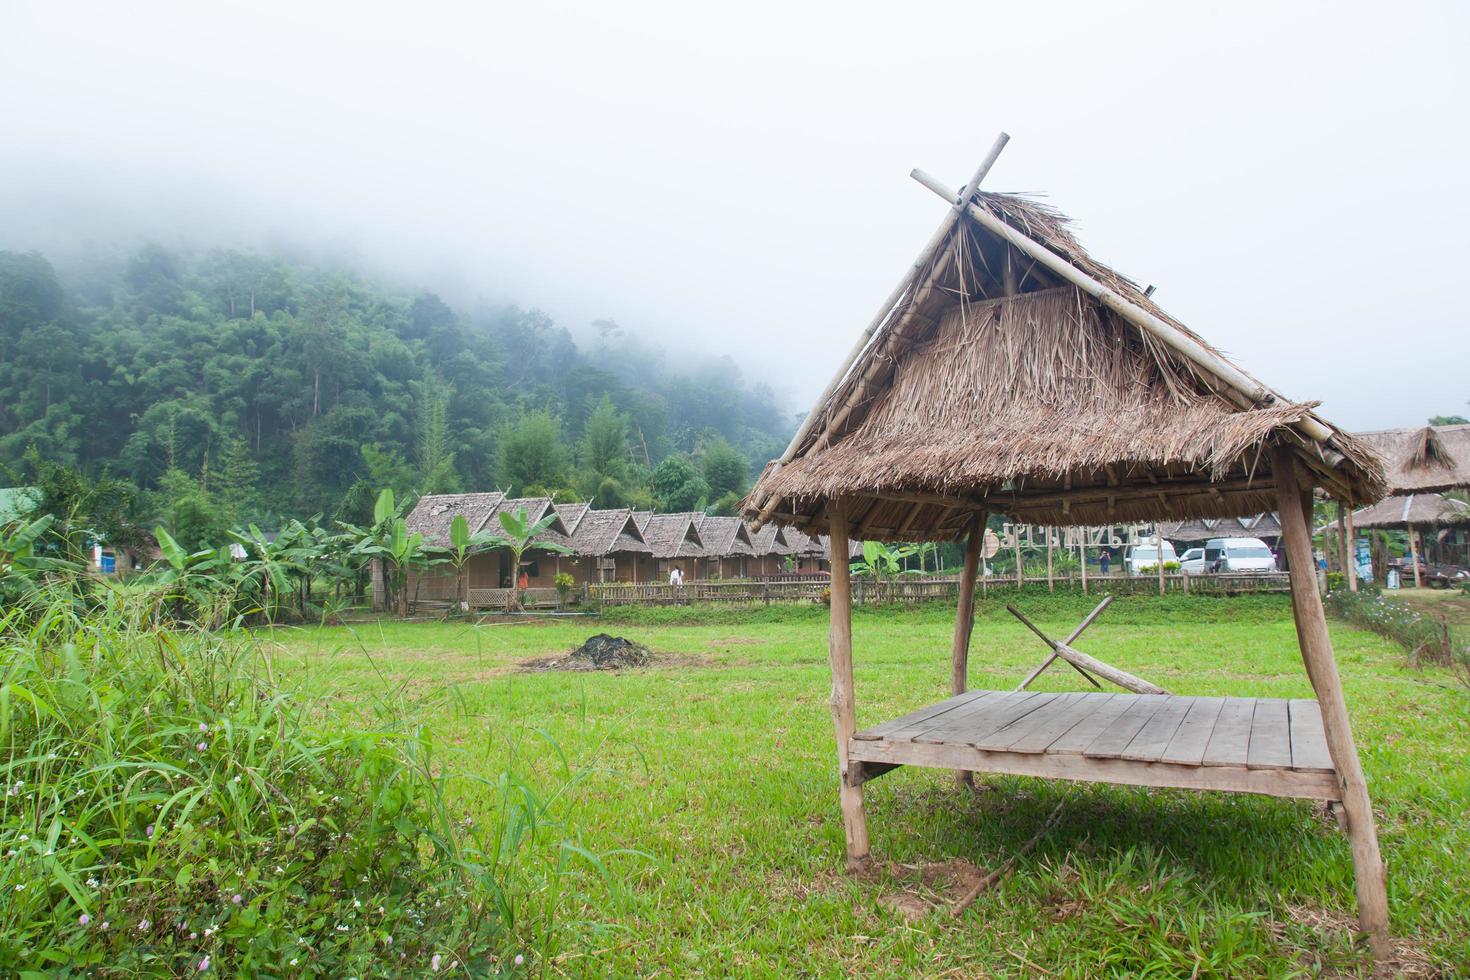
(718, 767)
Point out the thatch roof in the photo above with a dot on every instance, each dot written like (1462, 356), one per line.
(993, 384)
(767, 541)
(1203, 528)
(433, 514)
(1424, 458)
(724, 536)
(671, 535)
(1416, 509)
(603, 532)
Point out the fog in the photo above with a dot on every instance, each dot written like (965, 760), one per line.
(1291, 177)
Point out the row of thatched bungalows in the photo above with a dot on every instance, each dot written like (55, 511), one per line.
(616, 545)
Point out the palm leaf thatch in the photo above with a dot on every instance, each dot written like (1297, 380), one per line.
(1413, 510)
(994, 384)
(1427, 458)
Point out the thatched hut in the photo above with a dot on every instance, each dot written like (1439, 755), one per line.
(607, 545)
(673, 539)
(1424, 459)
(1011, 372)
(1266, 526)
(727, 547)
(1438, 528)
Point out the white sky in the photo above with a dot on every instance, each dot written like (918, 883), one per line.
(1293, 177)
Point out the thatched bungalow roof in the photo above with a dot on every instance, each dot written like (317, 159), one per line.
(1415, 509)
(434, 512)
(603, 532)
(671, 535)
(1423, 458)
(768, 540)
(1015, 373)
(725, 536)
(1203, 528)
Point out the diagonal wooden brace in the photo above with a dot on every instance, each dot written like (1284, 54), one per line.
(1082, 661)
(1097, 611)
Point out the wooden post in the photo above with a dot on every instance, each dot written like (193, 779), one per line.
(1159, 553)
(1343, 550)
(1082, 553)
(1414, 557)
(1020, 569)
(1294, 504)
(964, 620)
(844, 705)
(1352, 536)
(1051, 585)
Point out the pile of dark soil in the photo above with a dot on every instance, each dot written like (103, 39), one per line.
(602, 652)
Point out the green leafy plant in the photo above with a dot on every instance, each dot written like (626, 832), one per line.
(517, 532)
(389, 542)
(462, 546)
(564, 583)
(882, 562)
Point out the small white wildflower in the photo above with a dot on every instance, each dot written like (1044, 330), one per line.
(520, 959)
(105, 926)
(434, 962)
(83, 919)
(203, 727)
(204, 964)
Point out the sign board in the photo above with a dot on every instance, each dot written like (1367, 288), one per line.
(992, 543)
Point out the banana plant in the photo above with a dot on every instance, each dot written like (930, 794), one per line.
(462, 546)
(192, 578)
(517, 530)
(20, 566)
(389, 542)
(268, 566)
(882, 562)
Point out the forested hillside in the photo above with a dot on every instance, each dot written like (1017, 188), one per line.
(257, 387)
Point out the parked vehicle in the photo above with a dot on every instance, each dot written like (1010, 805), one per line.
(1192, 562)
(1435, 576)
(1144, 558)
(1238, 555)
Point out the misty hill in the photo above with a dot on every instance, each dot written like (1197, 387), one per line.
(293, 383)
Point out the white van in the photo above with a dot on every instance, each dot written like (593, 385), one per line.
(1192, 562)
(1238, 555)
(1143, 558)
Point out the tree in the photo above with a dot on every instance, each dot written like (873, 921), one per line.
(678, 485)
(725, 468)
(603, 455)
(1449, 420)
(463, 545)
(432, 439)
(236, 481)
(188, 512)
(532, 454)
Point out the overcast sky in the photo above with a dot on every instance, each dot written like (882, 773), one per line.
(1293, 177)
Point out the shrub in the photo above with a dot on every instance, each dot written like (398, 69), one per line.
(168, 808)
(1400, 622)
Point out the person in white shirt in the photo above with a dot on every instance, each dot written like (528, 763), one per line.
(676, 576)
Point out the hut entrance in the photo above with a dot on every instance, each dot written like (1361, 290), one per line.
(1009, 372)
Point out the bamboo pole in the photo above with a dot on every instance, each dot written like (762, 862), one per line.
(872, 329)
(1293, 505)
(1342, 539)
(1082, 553)
(964, 621)
(844, 704)
(1252, 391)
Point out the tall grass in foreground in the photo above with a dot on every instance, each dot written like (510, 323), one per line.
(168, 809)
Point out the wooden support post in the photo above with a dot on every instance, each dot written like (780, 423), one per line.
(1020, 569)
(1294, 504)
(1352, 569)
(1082, 553)
(1342, 541)
(1414, 557)
(964, 620)
(844, 705)
(1051, 585)
(1159, 553)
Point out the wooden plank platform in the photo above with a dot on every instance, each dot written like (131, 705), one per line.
(1241, 745)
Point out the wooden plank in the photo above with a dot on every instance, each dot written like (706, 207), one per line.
(1308, 738)
(1077, 739)
(1126, 772)
(1270, 746)
(995, 713)
(1230, 741)
(1111, 741)
(923, 714)
(1082, 707)
(968, 707)
(1004, 738)
(1187, 747)
(1154, 737)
